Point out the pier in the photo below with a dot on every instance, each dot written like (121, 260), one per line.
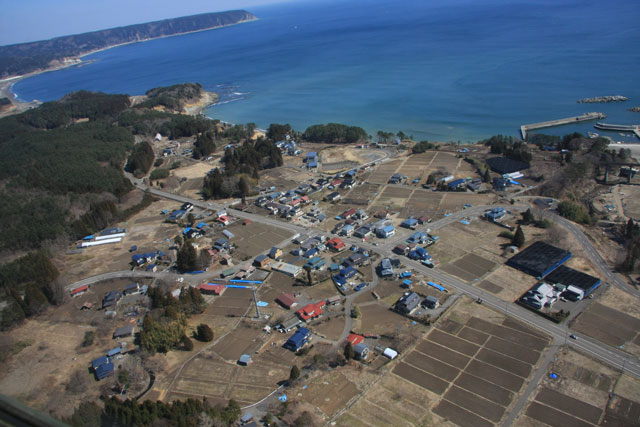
(620, 128)
(583, 118)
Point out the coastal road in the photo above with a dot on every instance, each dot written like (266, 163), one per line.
(614, 357)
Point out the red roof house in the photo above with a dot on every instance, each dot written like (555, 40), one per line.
(224, 220)
(336, 244)
(349, 213)
(355, 339)
(311, 311)
(211, 289)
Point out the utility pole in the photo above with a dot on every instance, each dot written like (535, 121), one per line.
(255, 301)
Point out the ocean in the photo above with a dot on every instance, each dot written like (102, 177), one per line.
(460, 70)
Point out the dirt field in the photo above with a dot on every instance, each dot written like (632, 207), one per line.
(467, 370)
(581, 394)
(610, 325)
(329, 392)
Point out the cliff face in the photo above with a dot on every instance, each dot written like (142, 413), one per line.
(28, 57)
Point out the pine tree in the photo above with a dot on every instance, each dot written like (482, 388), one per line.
(187, 257)
(487, 176)
(294, 374)
(527, 217)
(204, 332)
(348, 351)
(518, 238)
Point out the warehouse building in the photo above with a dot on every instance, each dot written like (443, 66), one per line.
(539, 259)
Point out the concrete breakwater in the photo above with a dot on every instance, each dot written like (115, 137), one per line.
(611, 98)
(585, 117)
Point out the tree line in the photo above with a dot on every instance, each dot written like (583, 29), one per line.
(334, 133)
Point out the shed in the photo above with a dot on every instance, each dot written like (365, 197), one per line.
(212, 289)
(390, 353)
(79, 290)
(131, 288)
(125, 331)
(248, 417)
(431, 302)
(261, 261)
(361, 351)
(244, 360)
(114, 351)
(287, 300)
(291, 323)
(228, 234)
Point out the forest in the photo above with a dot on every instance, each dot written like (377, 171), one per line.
(28, 57)
(335, 133)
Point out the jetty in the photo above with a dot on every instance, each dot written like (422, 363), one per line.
(583, 118)
(620, 128)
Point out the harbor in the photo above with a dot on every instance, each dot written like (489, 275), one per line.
(583, 118)
(619, 128)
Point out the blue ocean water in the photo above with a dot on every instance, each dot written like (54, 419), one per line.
(459, 70)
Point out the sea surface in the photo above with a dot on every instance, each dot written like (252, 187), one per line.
(455, 70)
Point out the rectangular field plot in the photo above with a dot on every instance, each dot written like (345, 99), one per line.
(249, 393)
(458, 272)
(475, 404)
(370, 414)
(495, 375)
(432, 366)
(490, 287)
(200, 388)
(608, 325)
(262, 374)
(383, 172)
(330, 392)
(420, 378)
(204, 369)
(473, 335)
(475, 264)
(442, 353)
(233, 345)
(453, 343)
(567, 404)
(516, 351)
(507, 363)
(534, 342)
(553, 417)
(485, 389)
(460, 416)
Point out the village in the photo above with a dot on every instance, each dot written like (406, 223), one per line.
(391, 281)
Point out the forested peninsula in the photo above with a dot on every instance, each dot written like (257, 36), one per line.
(31, 57)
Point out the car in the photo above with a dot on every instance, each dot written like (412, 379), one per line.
(359, 287)
(427, 263)
(573, 337)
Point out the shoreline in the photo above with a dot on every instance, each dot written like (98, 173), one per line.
(6, 84)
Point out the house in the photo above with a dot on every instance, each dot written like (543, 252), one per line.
(211, 289)
(381, 214)
(311, 156)
(500, 184)
(288, 269)
(361, 351)
(227, 273)
(334, 300)
(333, 196)
(290, 323)
(310, 253)
(131, 289)
(348, 272)
(418, 237)
(424, 219)
(275, 253)
(386, 268)
(348, 213)
(495, 214)
(474, 185)
(192, 233)
(79, 290)
(224, 220)
(336, 244)
(102, 367)
(456, 185)
(401, 249)
(244, 360)
(385, 232)
(363, 232)
(396, 178)
(358, 258)
(316, 263)
(408, 303)
(355, 339)
(298, 339)
(221, 244)
(176, 215)
(287, 301)
(410, 223)
(111, 298)
(261, 261)
(125, 331)
(431, 302)
(311, 311)
(347, 230)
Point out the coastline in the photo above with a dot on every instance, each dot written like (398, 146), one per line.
(6, 84)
